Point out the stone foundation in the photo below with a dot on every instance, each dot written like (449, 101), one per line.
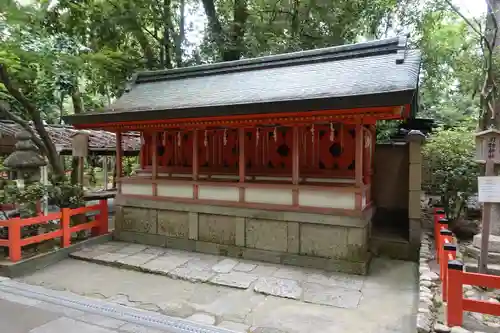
(334, 243)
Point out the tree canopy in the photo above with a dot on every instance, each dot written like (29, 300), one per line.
(70, 56)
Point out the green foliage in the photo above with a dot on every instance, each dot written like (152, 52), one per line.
(66, 195)
(26, 197)
(449, 168)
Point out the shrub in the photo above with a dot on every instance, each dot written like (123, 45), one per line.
(449, 168)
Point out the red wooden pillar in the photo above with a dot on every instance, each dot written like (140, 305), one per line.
(454, 309)
(154, 162)
(295, 165)
(358, 171)
(196, 164)
(15, 253)
(241, 162)
(118, 157)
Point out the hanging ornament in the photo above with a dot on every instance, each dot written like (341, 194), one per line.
(275, 136)
(142, 140)
(205, 140)
(164, 138)
(224, 139)
(257, 135)
(312, 133)
(332, 132)
(179, 139)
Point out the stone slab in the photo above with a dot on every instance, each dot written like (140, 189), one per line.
(333, 296)
(164, 264)
(137, 259)
(110, 257)
(191, 274)
(224, 266)
(132, 249)
(244, 267)
(202, 318)
(239, 280)
(278, 287)
(336, 280)
(16, 317)
(290, 273)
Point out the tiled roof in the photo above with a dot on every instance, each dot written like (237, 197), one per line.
(99, 141)
(371, 68)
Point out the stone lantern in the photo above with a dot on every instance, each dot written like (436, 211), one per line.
(25, 160)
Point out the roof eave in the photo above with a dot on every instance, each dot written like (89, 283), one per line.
(394, 98)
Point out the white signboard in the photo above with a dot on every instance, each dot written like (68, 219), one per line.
(489, 189)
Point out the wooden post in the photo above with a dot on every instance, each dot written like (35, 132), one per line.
(118, 160)
(66, 234)
(295, 165)
(241, 162)
(454, 311)
(105, 171)
(81, 166)
(448, 249)
(485, 233)
(15, 241)
(358, 167)
(103, 217)
(196, 164)
(154, 162)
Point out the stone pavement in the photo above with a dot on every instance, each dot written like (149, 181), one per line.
(29, 309)
(241, 295)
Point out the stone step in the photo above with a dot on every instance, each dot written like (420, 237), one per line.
(493, 269)
(475, 252)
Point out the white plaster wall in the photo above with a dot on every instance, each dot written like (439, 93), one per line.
(326, 199)
(268, 196)
(137, 189)
(175, 190)
(228, 193)
(363, 200)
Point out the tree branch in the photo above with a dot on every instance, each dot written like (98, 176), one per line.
(469, 23)
(24, 124)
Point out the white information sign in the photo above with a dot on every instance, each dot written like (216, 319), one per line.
(489, 189)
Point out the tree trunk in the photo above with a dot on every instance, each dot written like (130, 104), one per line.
(76, 98)
(167, 27)
(181, 36)
(44, 140)
(229, 48)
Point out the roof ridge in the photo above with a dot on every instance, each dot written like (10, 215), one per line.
(377, 47)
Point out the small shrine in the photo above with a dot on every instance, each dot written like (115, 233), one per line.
(268, 159)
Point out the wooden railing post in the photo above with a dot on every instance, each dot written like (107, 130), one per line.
(442, 224)
(103, 217)
(449, 249)
(438, 214)
(14, 241)
(454, 311)
(66, 233)
(443, 234)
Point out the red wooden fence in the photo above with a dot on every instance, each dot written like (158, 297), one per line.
(453, 277)
(98, 226)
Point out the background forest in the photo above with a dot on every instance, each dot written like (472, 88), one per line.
(70, 56)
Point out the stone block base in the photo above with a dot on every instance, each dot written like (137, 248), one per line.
(493, 243)
(334, 243)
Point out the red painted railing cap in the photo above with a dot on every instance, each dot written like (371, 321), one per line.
(455, 264)
(445, 232)
(450, 247)
(443, 220)
(440, 211)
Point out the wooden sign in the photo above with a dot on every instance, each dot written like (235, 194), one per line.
(489, 189)
(80, 144)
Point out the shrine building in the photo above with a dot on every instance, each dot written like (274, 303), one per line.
(267, 159)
